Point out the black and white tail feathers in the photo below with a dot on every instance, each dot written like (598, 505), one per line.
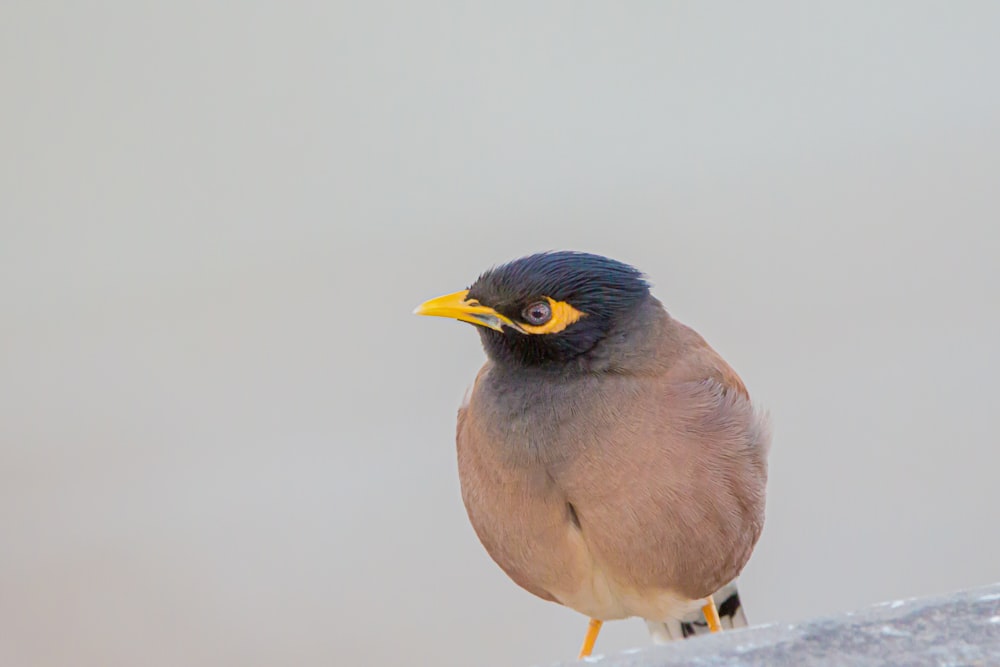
(727, 599)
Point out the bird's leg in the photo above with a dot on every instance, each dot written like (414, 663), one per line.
(588, 642)
(711, 615)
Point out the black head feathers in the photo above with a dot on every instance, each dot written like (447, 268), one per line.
(596, 291)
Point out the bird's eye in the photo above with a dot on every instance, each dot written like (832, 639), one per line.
(537, 313)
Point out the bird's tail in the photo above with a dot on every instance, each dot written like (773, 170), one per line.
(727, 600)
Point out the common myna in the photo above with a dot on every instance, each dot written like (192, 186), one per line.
(610, 460)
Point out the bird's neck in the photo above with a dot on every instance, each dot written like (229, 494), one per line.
(635, 345)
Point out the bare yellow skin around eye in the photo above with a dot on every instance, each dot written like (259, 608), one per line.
(563, 315)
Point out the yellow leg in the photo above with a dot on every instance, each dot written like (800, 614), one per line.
(711, 615)
(588, 642)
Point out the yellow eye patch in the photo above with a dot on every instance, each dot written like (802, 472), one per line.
(563, 315)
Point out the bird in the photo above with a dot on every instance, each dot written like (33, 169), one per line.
(609, 459)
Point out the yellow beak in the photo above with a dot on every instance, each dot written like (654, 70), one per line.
(456, 306)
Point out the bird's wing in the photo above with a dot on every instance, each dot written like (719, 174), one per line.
(672, 497)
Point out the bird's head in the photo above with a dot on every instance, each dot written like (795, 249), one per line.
(547, 308)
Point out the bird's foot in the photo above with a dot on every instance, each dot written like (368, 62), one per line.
(711, 615)
(588, 642)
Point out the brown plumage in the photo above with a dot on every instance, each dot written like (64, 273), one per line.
(626, 479)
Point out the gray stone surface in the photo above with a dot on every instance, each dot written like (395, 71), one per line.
(955, 630)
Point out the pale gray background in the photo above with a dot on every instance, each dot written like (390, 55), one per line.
(224, 440)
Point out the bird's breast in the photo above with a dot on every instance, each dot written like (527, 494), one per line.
(522, 456)
(541, 420)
